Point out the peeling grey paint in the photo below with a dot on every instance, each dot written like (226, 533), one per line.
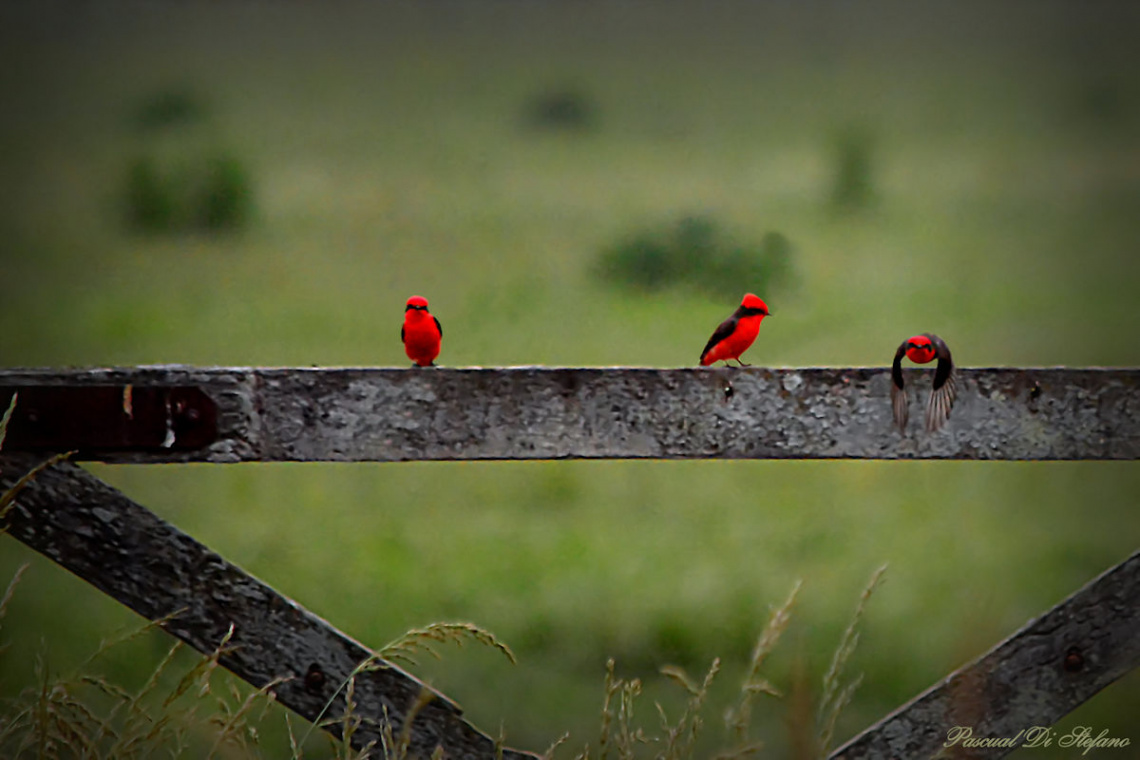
(388, 415)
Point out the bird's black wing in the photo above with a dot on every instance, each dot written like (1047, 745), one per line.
(438, 326)
(723, 330)
(898, 389)
(402, 338)
(945, 370)
(945, 386)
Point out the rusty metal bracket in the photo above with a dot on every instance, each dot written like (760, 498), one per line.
(97, 418)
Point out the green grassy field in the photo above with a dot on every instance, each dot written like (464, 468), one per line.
(390, 156)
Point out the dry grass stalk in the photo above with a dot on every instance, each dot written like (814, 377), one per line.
(739, 719)
(836, 698)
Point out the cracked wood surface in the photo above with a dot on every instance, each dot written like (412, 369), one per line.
(360, 414)
(1033, 678)
(129, 553)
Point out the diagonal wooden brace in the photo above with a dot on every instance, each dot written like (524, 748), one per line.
(129, 553)
(1030, 680)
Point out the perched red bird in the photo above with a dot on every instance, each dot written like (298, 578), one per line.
(735, 334)
(923, 349)
(421, 332)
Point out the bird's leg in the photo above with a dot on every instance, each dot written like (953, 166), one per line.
(742, 364)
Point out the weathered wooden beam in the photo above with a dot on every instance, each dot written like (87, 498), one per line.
(535, 413)
(129, 553)
(1022, 686)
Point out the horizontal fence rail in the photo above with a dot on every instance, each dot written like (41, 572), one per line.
(162, 414)
(132, 555)
(190, 414)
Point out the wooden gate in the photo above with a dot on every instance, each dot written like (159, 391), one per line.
(151, 415)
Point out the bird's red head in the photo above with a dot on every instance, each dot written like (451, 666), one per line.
(416, 302)
(919, 349)
(754, 304)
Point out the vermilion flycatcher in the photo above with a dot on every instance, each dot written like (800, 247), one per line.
(421, 332)
(735, 334)
(923, 349)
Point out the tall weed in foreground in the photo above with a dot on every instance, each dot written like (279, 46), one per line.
(84, 715)
(622, 738)
(405, 648)
(837, 696)
(200, 713)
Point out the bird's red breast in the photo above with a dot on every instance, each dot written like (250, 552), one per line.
(920, 349)
(735, 343)
(421, 332)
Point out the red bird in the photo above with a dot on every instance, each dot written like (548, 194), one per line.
(735, 334)
(421, 332)
(923, 349)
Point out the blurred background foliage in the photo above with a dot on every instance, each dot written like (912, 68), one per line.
(588, 183)
(698, 254)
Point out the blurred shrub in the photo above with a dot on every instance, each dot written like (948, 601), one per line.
(172, 106)
(151, 206)
(225, 199)
(695, 252)
(565, 109)
(180, 181)
(853, 186)
(212, 193)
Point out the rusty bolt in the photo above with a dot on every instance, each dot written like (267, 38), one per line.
(728, 391)
(1074, 660)
(1035, 391)
(315, 679)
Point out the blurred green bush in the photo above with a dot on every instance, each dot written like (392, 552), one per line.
(212, 192)
(696, 252)
(853, 182)
(224, 198)
(174, 106)
(181, 180)
(566, 109)
(151, 205)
